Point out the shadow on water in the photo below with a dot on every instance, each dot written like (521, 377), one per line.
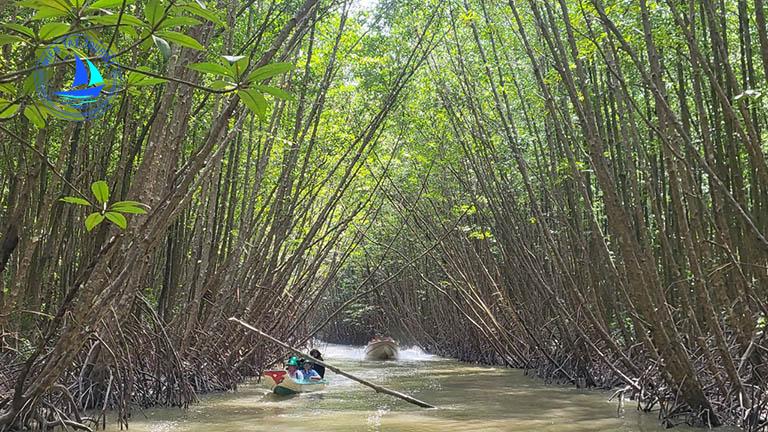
(469, 398)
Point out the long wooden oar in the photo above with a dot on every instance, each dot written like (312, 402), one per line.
(378, 388)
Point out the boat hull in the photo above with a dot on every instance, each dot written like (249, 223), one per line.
(281, 384)
(381, 350)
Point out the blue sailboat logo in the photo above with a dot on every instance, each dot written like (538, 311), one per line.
(90, 93)
(94, 84)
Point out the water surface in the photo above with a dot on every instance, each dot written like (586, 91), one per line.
(468, 397)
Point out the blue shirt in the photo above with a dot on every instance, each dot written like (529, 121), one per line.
(310, 374)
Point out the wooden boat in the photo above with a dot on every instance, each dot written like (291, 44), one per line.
(280, 383)
(381, 349)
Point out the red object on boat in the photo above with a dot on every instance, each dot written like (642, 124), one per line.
(277, 376)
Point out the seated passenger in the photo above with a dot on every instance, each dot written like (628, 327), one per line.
(309, 373)
(319, 368)
(293, 369)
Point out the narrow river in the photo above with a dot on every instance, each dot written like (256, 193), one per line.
(469, 397)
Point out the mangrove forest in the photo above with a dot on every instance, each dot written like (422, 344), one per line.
(524, 208)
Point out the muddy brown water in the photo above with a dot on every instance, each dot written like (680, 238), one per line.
(468, 397)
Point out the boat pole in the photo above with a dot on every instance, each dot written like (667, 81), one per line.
(378, 388)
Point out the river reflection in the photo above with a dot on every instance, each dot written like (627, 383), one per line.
(468, 397)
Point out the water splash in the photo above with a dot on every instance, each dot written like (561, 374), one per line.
(345, 352)
(417, 354)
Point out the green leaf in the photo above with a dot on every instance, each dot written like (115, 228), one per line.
(126, 20)
(106, 4)
(60, 5)
(153, 11)
(222, 85)
(8, 109)
(35, 115)
(133, 207)
(149, 81)
(163, 46)
(127, 203)
(269, 71)
(52, 30)
(178, 21)
(75, 200)
(65, 112)
(18, 28)
(195, 9)
(138, 79)
(128, 209)
(276, 92)
(117, 219)
(9, 39)
(130, 32)
(237, 64)
(100, 190)
(146, 41)
(48, 8)
(92, 220)
(45, 12)
(78, 51)
(28, 87)
(255, 101)
(181, 39)
(211, 68)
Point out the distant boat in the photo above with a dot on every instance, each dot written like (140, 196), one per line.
(381, 349)
(91, 78)
(281, 384)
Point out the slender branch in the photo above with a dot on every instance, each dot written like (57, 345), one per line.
(45, 159)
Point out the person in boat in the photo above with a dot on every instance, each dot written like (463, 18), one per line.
(380, 338)
(293, 369)
(319, 368)
(308, 372)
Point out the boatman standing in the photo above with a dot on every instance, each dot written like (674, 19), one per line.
(320, 369)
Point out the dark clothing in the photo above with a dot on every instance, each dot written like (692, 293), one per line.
(320, 370)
